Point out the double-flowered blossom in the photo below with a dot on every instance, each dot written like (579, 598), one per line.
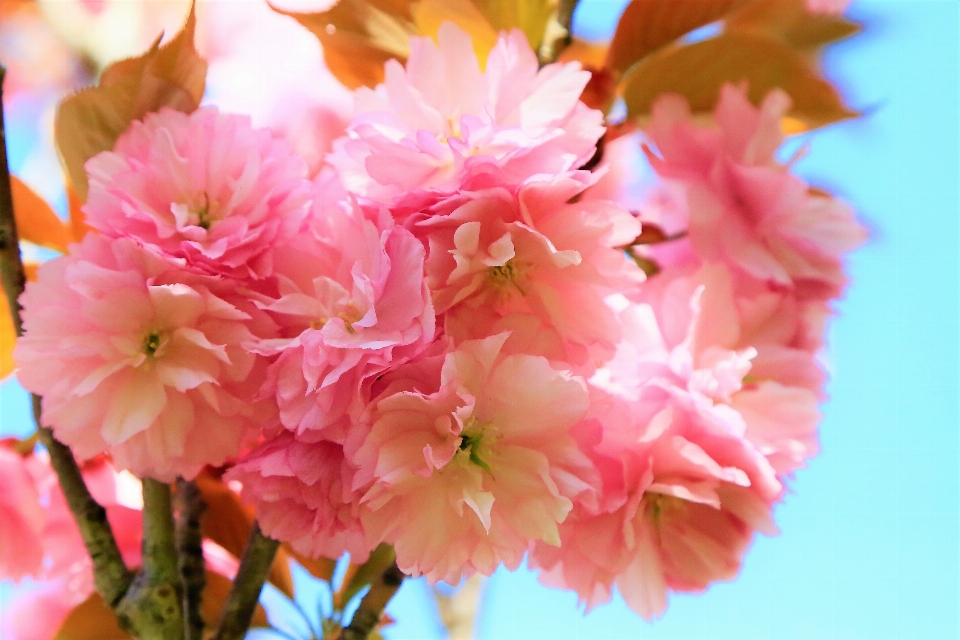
(134, 356)
(431, 125)
(352, 302)
(205, 187)
(684, 489)
(527, 261)
(468, 471)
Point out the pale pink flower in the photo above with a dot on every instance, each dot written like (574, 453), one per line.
(683, 494)
(352, 302)
(303, 494)
(441, 118)
(131, 359)
(745, 208)
(21, 515)
(204, 186)
(530, 263)
(467, 476)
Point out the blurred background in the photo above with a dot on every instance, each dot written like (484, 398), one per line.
(869, 545)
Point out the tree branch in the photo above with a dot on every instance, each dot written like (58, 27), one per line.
(111, 576)
(190, 553)
(370, 611)
(151, 609)
(558, 34)
(242, 602)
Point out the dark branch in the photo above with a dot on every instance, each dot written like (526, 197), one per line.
(242, 602)
(371, 608)
(190, 553)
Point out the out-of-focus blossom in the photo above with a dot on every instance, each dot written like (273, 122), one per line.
(21, 514)
(746, 209)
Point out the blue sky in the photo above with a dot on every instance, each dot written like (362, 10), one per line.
(869, 542)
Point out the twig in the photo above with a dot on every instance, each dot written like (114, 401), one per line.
(368, 614)
(558, 34)
(190, 555)
(111, 576)
(242, 602)
(152, 606)
(10, 263)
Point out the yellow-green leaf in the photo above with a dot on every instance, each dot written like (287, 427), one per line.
(91, 620)
(530, 16)
(648, 25)
(88, 122)
(364, 574)
(227, 521)
(792, 23)
(699, 70)
(430, 14)
(8, 339)
(359, 36)
(36, 221)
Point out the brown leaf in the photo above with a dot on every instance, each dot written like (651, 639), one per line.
(699, 70)
(36, 221)
(227, 521)
(78, 221)
(91, 620)
(215, 595)
(792, 23)
(359, 36)
(587, 53)
(647, 25)
(88, 122)
(8, 339)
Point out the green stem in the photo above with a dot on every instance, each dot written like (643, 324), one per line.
(152, 607)
(371, 608)
(242, 602)
(190, 553)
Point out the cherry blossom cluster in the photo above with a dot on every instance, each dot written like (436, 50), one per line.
(455, 338)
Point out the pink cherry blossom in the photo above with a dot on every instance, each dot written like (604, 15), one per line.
(486, 464)
(303, 494)
(745, 208)
(21, 515)
(131, 359)
(205, 187)
(352, 302)
(434, 122)
(529, 263)
(683, 494)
